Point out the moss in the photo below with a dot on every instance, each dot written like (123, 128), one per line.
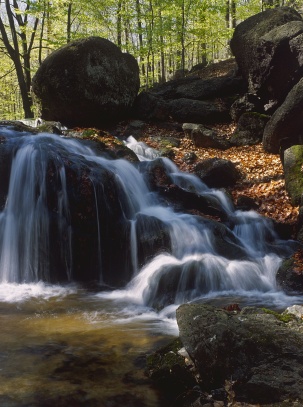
(281, 317)
(167, 355)
(258, 115)
(293, 161)
(169, 372)
(89, 133)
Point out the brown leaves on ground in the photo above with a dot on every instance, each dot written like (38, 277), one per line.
(298, 262)
(262, 176)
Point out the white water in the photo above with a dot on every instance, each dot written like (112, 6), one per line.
(192, 269)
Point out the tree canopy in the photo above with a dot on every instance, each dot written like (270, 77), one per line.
(165, 36)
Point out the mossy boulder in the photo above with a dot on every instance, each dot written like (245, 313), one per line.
(260, 350)
(293, 164)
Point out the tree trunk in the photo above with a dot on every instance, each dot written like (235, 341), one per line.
(22, 69)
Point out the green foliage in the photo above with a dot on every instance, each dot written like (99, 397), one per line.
(163, 35)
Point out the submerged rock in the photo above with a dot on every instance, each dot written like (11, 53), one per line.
(87, 82)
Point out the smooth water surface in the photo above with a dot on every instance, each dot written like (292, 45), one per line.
(66, 347)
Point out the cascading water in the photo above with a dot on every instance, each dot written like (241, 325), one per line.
(70, 215)
(125, 234)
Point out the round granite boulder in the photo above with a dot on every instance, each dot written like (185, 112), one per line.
(87, 82)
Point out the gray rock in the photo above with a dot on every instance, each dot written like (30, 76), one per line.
(293, 162)
(200, 89)
(217, 172)
(249, 129)
(204, 137)
(245, 104)
(286, 122)
(262, 67)
(87, 82)
(278, 45)
(198, 111)
(149, 107)
(259, 350)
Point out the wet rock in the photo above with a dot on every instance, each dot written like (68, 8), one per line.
(246, 203)
(87, 82)
(247, 346)
(169, 372)
(152, 238)
(193, 275)
(217, 172)
(179, 198)
(290, 277)
(18, 126)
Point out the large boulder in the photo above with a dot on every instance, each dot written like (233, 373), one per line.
(199, 111)
(199, 89)
(261, 45)
(191, 99)
(286, 122)
(259, 350)
(87, 82)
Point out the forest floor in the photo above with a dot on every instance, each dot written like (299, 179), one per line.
(262, 177)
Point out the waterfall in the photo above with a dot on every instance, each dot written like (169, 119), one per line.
(70, 214)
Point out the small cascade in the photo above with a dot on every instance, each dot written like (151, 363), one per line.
(72, 215)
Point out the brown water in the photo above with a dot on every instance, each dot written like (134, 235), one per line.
(69, 350)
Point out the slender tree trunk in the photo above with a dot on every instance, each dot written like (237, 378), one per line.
(119, 24)
(162, 55)
(139, 23)
(22, 69)
(69, 22)
(183, 38)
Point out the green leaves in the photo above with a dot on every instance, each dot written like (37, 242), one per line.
(163, 35)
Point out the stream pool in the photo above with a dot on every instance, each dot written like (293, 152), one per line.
(67, 347)
(63, 346)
